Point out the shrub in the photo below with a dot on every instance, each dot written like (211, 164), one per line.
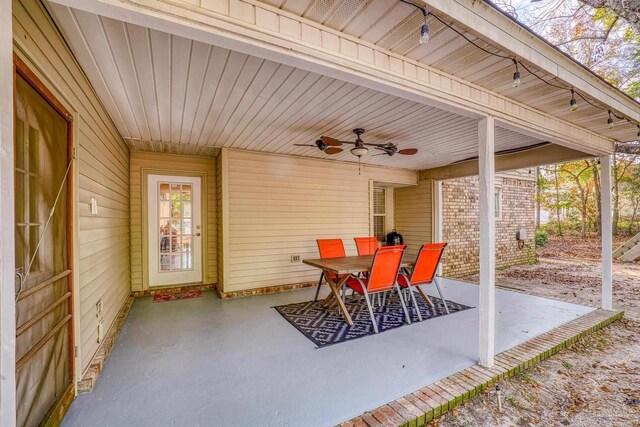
(542, 238)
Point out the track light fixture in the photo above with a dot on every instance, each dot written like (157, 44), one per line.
(424, 31)
(516, 75)
(573, 103)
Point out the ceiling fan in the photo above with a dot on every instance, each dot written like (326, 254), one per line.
(327, 147)
(360, 147)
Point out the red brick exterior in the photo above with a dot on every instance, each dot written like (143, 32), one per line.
(461, 224)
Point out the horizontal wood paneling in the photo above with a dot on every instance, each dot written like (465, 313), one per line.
(103, 172)
(279, 205)
(171, 164)
(414, 215)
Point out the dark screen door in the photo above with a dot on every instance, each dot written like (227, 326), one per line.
(43, 275)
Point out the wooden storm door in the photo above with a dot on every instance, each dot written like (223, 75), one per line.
(44, 329)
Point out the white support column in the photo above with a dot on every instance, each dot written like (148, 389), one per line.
(437, 217)
(487, 303)
(7, 226)
(607, 238)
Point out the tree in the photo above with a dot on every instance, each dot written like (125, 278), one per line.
(581, 174)
(595, 167)
(621, 165)
(602, 38)
(604, 35)
(631, 191)
(628, 10)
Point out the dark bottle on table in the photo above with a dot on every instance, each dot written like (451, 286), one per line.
(394, 238)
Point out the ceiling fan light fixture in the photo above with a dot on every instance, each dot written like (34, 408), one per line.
(359, 151)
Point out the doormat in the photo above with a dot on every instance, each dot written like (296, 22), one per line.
(324, 326)
(165, 297)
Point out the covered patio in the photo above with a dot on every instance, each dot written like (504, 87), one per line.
(221, 101)
(167, 365)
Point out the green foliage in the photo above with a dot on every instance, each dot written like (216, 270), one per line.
(542, 238)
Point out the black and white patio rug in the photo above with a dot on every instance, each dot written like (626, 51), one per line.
(325, 326)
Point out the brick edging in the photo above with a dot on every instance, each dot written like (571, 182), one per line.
(263, 291)
(173, 289)
(422, 406)
(88, 381)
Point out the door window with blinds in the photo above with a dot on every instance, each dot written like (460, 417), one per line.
(379, 213)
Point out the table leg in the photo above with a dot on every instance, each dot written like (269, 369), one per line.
(335, 293)
(424, 296)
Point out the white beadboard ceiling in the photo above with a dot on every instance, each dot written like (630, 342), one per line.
(170, 94)
(395, 26)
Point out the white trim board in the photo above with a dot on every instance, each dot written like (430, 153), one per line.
(7, 224)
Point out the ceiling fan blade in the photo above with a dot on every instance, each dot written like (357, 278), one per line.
(330, 141)
(380, 154)
(333, 150)
(408, 151)
(304, 145)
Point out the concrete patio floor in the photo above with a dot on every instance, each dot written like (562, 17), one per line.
(238, 362)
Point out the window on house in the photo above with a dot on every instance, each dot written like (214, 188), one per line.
(379, 213)
(498, 203)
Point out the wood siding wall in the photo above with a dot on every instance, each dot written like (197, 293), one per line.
(414, 215)
(171, 164)
(102, 172)
(279, 205)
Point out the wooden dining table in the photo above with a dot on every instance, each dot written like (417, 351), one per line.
(343, 268)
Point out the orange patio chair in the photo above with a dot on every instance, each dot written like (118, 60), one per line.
(424, 273)
(383, 277)
(329, 248)
(366, 245)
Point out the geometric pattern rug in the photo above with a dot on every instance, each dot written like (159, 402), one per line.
(324, 326)
(174, 296)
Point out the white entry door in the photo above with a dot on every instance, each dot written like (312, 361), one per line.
(175, 233)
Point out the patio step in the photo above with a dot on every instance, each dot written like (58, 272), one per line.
(421, 406)
(630, 250)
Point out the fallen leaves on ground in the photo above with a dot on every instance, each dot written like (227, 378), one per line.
(594, 383)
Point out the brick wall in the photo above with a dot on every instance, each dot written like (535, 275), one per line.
(461, 225)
